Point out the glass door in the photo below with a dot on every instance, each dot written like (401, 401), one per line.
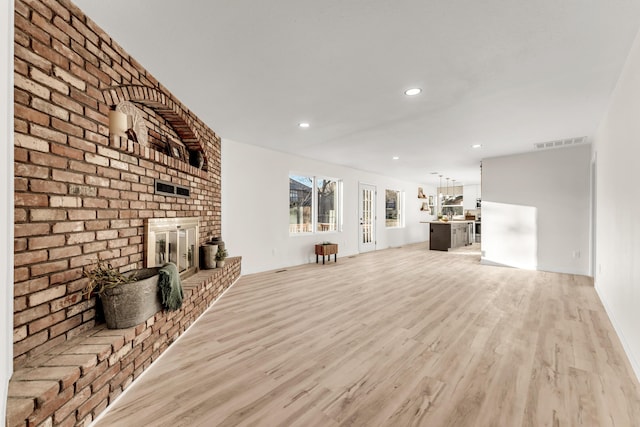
(367, 212)
(182, 250)
(173, 240)
(161, 248)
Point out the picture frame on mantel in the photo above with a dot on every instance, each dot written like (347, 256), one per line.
(175, 150)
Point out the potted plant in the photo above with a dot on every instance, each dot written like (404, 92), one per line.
(128, 299)
(220, 257)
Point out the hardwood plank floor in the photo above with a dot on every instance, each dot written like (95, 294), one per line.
(400, 337)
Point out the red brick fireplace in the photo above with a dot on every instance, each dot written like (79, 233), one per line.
(83, 194)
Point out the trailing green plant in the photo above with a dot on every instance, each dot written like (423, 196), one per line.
(104, 277)
(221, 254)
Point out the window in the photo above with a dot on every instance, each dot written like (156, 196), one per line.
(451, 200)
(314, 204)
(327, 206)
(300, 197)
(393, 208)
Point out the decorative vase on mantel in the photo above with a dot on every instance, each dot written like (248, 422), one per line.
(209, 251)
(217, 241)
(196, 158)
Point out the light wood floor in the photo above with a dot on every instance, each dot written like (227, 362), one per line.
(400, 337)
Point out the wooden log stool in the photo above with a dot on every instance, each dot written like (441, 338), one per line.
(327, 249)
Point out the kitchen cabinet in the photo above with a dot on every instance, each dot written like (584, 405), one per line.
(449, 235)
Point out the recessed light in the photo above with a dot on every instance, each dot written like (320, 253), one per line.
(396, 158)
(476, 146)
(303, 125)
(413, 91)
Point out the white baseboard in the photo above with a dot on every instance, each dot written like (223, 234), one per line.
(616, 326)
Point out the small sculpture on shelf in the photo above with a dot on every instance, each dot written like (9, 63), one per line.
(131, 135)
(196, 158)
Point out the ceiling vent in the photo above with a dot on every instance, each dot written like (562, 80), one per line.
(168, 189)
(559, 143)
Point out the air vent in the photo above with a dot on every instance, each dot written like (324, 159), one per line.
(559, 143)
(168, 189)
(182, 191)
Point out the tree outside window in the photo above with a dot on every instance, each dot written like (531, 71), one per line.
(314, 204)
(300, 197)
(393, 208)
(327, 205)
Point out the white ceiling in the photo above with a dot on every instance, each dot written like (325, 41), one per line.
(503, 73)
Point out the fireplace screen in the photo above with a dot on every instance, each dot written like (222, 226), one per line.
(173, 240)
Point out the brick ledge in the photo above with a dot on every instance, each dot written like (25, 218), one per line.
(70, 384)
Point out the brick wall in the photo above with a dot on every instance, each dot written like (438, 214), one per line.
(82, 194)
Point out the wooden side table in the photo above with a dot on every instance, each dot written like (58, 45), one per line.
(327, 250)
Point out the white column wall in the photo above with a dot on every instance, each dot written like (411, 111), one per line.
(549, 190)
(6, 203)
(255, 208)
(617, 258)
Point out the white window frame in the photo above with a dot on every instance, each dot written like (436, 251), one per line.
(455, 192)
(314, 205)
(400, 208)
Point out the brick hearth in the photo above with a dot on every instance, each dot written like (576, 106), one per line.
(73, 382)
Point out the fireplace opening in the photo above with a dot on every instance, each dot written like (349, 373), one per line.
(173, 240)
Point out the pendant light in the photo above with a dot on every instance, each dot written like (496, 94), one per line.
(446, 198)
(453, 196)
(447, 187)
(440, 197)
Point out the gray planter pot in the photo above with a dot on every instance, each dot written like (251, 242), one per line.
(209, 255)
(218, 241)
(133, 303)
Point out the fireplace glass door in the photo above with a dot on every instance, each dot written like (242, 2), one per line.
(161, 248)
(173, 240)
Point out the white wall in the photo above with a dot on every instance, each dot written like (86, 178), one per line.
(470, 193)
(512, 239)
(6, 203)
(617, 269)
(554, 183)
(255, 208)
